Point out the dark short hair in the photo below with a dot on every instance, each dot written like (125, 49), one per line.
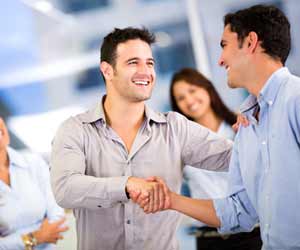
(117, 36)
(269, 23)
(193, 77)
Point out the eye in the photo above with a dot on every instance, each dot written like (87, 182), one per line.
(180, 98)
(132, 62)
(150, 63)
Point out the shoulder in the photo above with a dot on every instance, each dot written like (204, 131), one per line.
(30, 161)
(292, 92)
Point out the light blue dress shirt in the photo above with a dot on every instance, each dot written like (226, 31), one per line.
(27, 201)
(264, 174)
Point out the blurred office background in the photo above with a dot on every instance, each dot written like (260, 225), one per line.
(49, 54)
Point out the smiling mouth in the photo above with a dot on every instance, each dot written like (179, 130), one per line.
(143, 83)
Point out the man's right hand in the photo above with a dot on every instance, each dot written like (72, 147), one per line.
(153, 193)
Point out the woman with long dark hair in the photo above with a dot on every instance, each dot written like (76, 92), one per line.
(195, 97)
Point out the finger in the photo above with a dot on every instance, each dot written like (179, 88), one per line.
(60, 221)
(134, 195)
(63, 229)
(150, 178)
(144, 203)
(151, 200)
(162, 182)
(161, 197)
(245, 121)
(156, 197)
(235, 127)
(143, 198)
(146, 209)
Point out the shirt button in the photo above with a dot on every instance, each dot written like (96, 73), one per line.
(128, 221)
(270, 103)
(267, 225)
(263, 142)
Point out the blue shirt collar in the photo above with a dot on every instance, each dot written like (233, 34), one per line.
(15, 158)
(269, 91)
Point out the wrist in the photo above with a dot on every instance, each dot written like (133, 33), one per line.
(29, 241)
(38, 236)
(173, 198)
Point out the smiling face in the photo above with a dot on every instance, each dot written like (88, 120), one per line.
(133, 76)
(192, 100)
(234, 58)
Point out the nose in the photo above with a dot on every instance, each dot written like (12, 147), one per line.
(143, 68)
(189, 100)
(221, 61)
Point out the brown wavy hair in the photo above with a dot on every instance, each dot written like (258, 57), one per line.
(194, 77)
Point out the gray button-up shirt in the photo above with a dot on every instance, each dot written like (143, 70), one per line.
(90, 167)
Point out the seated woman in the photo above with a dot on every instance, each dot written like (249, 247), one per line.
(29, 215)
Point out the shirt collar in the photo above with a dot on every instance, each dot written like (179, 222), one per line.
(15, 158)
(97, 113)
(269, 91)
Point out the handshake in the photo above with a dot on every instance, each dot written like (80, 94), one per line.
(151, 194)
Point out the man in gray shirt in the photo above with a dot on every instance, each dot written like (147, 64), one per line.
(102, 156)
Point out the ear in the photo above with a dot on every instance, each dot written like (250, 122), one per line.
(252, 42)
(107, 70)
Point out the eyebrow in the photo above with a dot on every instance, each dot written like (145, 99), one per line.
(137, 58)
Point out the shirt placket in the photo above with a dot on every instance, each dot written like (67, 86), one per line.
(128, 212)
(266, 194)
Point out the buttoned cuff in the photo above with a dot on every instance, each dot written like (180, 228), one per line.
(117, 188)
(225, 215)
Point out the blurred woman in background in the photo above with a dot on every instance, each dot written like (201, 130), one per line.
(195, 97)
(29, 215)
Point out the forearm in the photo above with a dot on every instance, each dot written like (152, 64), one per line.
(202, 210)
(81, 191)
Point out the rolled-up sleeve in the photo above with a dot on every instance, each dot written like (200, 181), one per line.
(236, 211)
(71, 186)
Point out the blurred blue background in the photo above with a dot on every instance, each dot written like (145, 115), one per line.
(49, 58)
(49, 53)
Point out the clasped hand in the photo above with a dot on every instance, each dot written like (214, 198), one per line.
(151, 194)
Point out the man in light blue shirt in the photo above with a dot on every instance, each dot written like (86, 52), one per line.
(264, 173)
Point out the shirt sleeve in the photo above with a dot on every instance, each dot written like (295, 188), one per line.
(11, 242)
(71, 187)
(53, 211)
(14, 241)
(294, 116)
(202, 148)
(236, 211)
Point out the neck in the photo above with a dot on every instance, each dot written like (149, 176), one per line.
(210, 120)
(260, 75)
(123, 114)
